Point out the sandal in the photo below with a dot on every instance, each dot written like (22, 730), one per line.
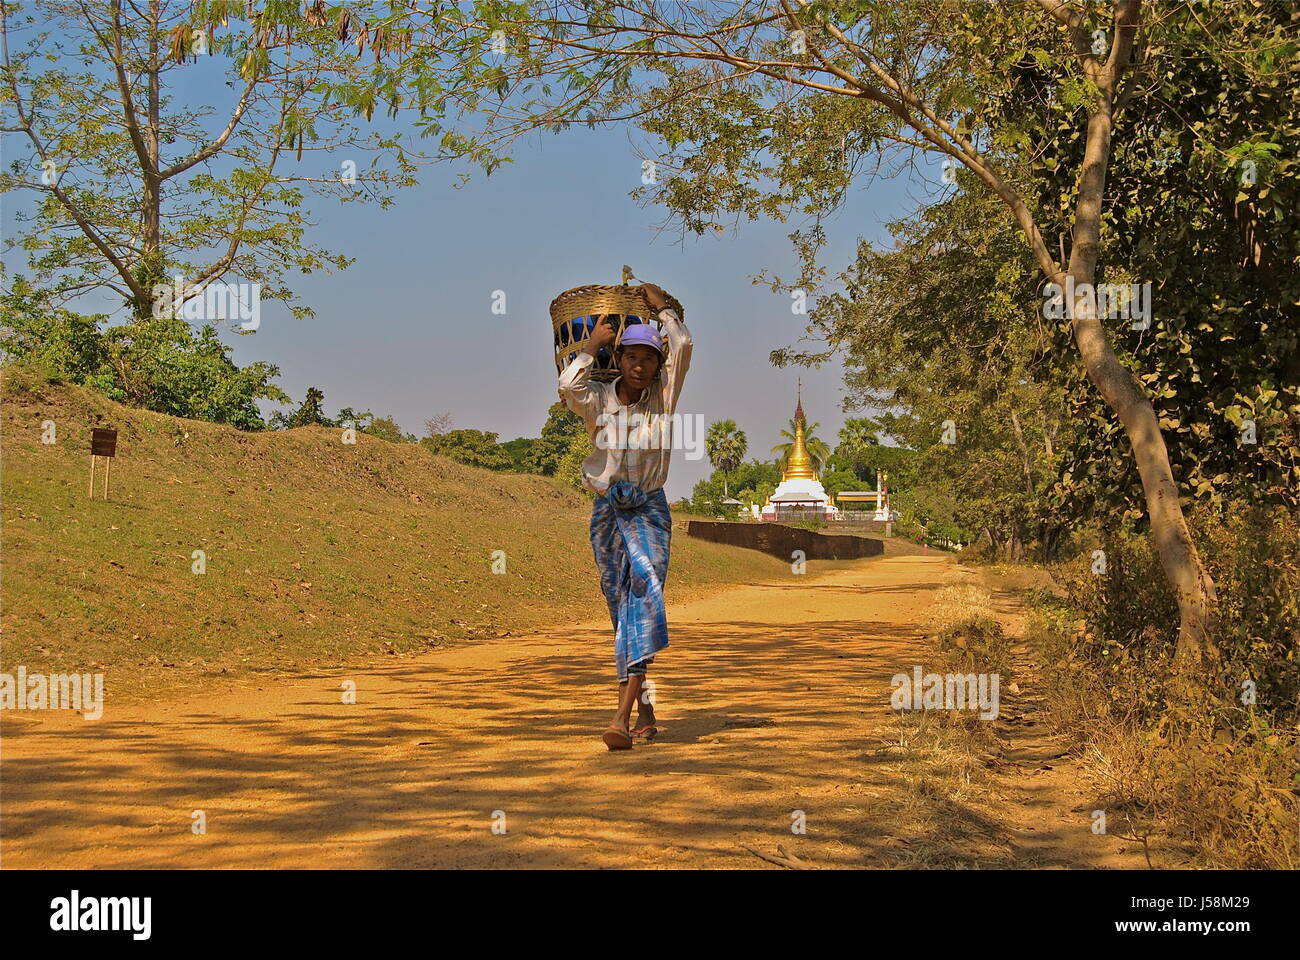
(617, 738)
(647, 732)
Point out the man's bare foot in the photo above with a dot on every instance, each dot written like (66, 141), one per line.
(645, 721)
(617, 737)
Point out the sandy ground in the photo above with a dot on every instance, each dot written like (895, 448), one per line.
(769, 698)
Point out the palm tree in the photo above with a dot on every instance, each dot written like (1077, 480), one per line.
(818, 452)
(857, 437)
(726, 446)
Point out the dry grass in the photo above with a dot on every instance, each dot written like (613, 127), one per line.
(938, 755)
(1209, 785)
(945, 808)
(968, 633)
(1017, 577)
(958, 603)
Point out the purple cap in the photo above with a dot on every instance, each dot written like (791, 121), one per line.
(644, 334)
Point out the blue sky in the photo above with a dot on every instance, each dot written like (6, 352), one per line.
(408, 330)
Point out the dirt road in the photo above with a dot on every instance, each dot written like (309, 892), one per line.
(770, 698)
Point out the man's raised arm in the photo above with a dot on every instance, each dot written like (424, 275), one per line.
(678, 361)
(575, 382)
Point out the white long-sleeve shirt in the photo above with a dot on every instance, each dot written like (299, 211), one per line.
(599, 407)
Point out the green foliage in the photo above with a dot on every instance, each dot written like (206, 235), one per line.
(520, 451)
(477, 448)
(1218, 240)
(386, 428)
(350, 418)
(985, 378)
(311, 413)
(64, 345)
(562, 431)
(726, 446)
(836, 481)
(569, 468)
(857, 447)
(751, 482)
(159, 364)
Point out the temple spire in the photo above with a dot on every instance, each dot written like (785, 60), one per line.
(799, 465)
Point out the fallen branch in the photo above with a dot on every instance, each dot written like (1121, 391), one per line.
(785, 859)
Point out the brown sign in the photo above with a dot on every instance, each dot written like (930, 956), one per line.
(103, 442)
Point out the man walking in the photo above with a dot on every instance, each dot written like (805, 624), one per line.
(631, 526)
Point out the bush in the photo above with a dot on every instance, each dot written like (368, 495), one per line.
(1210, 771)
(1132, 617)
(814, 525)
(475, 448)
(980, 552)
(161, 364)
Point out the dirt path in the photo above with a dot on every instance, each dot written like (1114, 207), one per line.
(770, 696)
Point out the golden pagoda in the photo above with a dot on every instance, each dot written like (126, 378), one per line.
(798, 464)
(800, 493)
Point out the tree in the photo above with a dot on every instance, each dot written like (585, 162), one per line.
(351, 418)
(141, 198)
(726, 446)
(310, 414)
(562, 432)
(837, 481)
(817, 449)
(148, 188)
(978, 400)
(386, 428)
(439, 424)
(568, 468)
(519, 450)
(477, 448)
(857, 437)
(1204, 205)
(1218, 356)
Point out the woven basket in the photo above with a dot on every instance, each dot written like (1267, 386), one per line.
(574, 314)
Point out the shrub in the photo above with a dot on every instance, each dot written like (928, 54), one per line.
(813, 525)
(1215, 772)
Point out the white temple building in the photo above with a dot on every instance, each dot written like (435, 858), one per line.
(800, 495)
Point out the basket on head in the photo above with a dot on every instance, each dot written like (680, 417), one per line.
(574, 314)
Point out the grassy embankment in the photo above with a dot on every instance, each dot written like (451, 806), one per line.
(316, 551)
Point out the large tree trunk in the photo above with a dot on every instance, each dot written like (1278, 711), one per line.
(1173, 541)
(1179, 558)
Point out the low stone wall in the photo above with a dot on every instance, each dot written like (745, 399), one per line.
(782, 541)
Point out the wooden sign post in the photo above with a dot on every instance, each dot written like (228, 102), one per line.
(103, 443)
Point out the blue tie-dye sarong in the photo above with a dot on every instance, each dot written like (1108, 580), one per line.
(630, 535)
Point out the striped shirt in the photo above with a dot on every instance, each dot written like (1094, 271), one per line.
(599, 407)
